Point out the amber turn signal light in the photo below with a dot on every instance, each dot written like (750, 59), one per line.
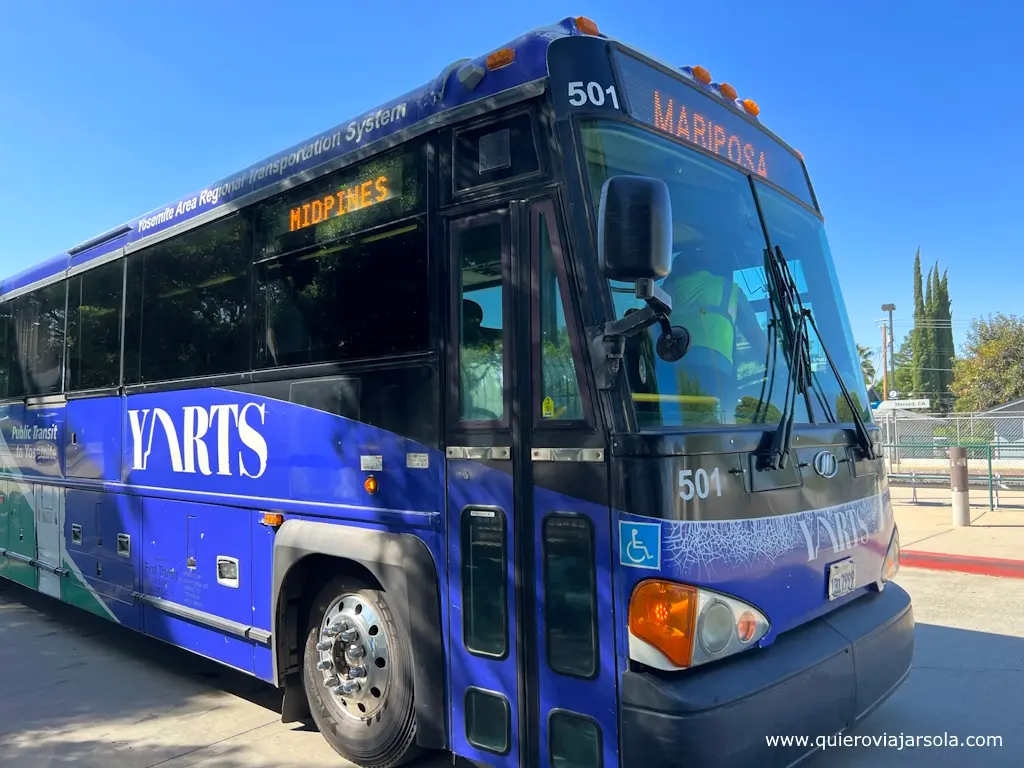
(663, 614)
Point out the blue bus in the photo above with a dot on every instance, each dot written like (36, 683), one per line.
(518, 418)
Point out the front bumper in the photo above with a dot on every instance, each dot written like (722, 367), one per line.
(816, 680)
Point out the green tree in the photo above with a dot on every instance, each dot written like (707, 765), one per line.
(867, 364)
(918, 336)
(930, 385)
(904, 364)
(991, 370)
(944, 345)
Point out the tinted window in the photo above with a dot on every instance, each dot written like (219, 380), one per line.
(480, 249)
(365, 295)
(10, 372)
(495, 152)
(94, 327)
(341, 268)
(575, 741)
(570, 595)
(187, 308)
(400, 400)
(484, 580)
(560, 389)
(488, 721)
(37, 340)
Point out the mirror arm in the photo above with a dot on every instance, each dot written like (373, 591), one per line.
(609, 342)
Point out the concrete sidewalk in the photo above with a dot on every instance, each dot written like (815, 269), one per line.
(992, 545)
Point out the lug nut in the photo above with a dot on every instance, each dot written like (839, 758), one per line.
(354, 672)
(332, 681)
(347, 687)
(355, 651)
(325, 665)
(325, 645)
(349, 635)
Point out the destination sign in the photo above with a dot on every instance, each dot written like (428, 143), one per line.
(370, 194)
(348, 199)
(683, 111)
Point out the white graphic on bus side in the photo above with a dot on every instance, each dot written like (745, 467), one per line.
(205, 433)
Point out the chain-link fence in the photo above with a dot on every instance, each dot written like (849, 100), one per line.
(917, 445)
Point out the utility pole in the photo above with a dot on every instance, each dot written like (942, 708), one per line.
(890, 308)
(885, 366)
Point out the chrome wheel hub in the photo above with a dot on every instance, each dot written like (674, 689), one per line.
(354, 657)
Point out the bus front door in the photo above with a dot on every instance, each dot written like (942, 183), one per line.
(532, 661)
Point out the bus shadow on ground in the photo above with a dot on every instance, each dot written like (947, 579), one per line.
(78, 690)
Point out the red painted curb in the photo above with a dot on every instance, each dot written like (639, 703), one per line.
(984, 566)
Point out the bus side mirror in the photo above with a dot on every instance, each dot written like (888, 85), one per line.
(634, 230)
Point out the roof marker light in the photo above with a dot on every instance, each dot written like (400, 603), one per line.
(702, 75)
(500, 58)
(586, 26)
(728, 91)
(751, 106)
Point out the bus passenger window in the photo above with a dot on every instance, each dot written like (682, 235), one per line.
(36, 339)
(94, 328)
(560, 389)
(488, 721)
(484, 582)
(187, 304)
(575, 741)
(570, 595)
(481, 348)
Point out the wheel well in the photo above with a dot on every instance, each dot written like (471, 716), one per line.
(307, 554)
(301, 584)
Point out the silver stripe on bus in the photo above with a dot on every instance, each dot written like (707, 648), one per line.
(479, 452)
(568, 454)
(235, 628)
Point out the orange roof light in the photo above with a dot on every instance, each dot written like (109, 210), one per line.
(751, 106)
(273, 519)
(500, 58)
(702, 74)
(799, 154)
(586, 26)
(664, 614)
(370, 484)
(728, 91)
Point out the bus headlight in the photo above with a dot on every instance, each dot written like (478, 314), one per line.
(675, 626)
(891, 564)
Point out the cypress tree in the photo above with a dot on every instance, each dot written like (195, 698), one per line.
(923, 364)
(936, 335)
(945, 347)
(918, 342)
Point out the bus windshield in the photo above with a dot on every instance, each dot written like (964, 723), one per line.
(736, 370)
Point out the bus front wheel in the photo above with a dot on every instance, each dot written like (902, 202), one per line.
(357, 673)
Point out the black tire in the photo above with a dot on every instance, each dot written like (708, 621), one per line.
(387, 738)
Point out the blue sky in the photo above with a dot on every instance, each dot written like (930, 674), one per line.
(908, 113)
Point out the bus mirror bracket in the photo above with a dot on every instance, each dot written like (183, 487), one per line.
(609, 341)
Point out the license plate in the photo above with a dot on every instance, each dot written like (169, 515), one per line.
(842, 578)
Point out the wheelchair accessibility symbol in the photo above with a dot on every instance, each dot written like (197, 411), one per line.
(640, 545)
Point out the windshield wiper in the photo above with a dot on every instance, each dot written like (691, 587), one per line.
(795, 318)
